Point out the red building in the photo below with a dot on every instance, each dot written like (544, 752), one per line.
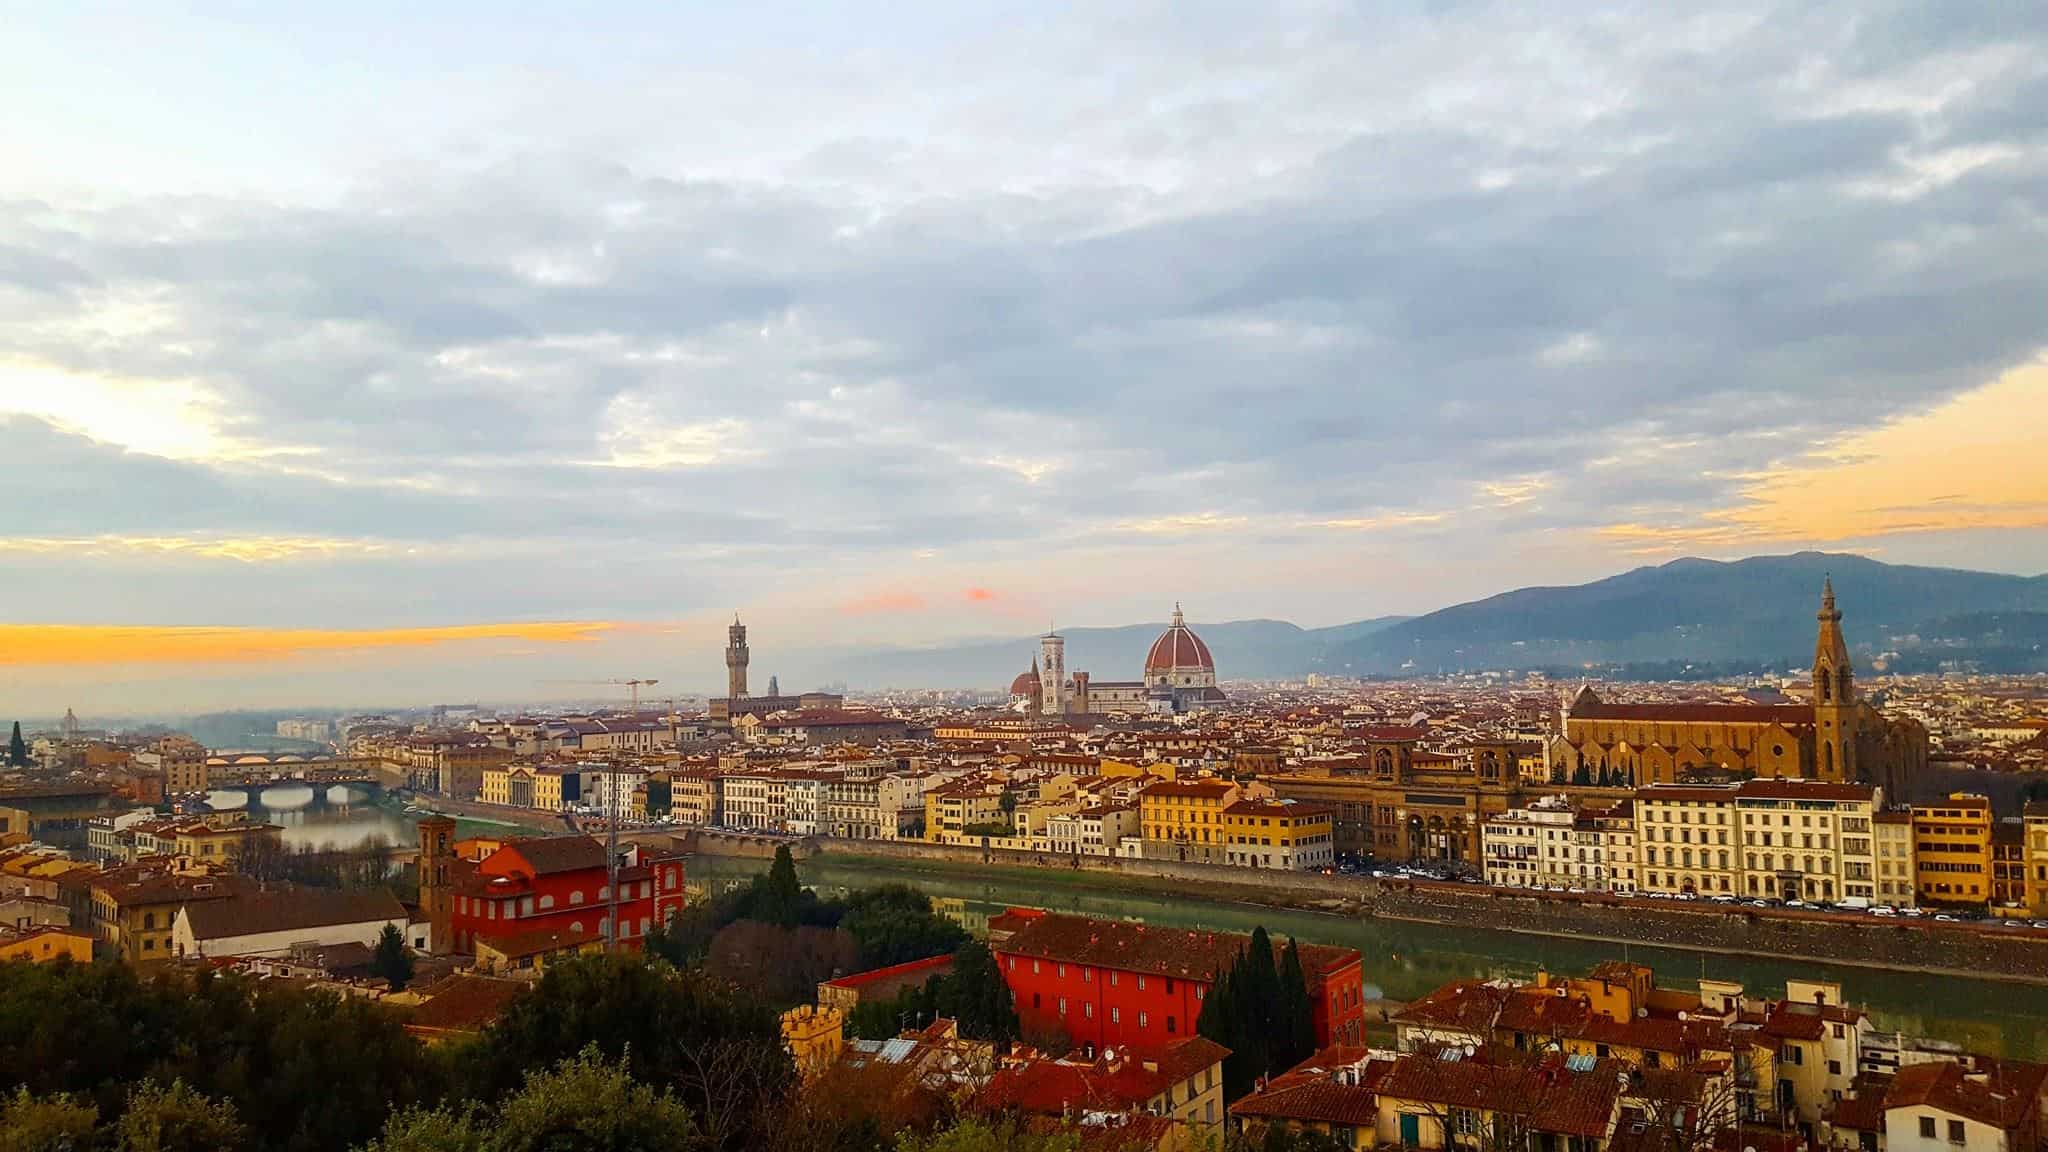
(1113, 984)
(559, 884)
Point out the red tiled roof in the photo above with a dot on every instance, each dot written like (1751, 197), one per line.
(1053, 1087)
(2002, 1101)
(1789, 715)
(1320, 1090)
(463, 1003)
(1768, 789)
(1174, 952)
(1553, 1098)
(934, 965)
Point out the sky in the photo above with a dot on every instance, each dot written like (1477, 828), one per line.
(374, 352)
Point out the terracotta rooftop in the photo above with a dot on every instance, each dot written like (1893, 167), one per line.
(1174, 952)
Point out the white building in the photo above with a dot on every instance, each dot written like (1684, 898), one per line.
(1808, 840)
(273, 922)
(1529, 847)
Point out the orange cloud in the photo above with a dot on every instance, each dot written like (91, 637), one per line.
(1975, 462)
(981, 595)
(90, 644)
(881, 602)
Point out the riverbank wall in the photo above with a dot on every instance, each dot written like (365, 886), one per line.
(1898, 944)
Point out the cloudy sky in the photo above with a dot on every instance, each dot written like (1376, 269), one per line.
(349, 353)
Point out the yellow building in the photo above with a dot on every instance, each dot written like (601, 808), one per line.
(217, 843)
(1952, 850)
(1287, 834)
(44, 945)
(519, 786)
(2037, 858)
(814, 1037)
(133, 908)
(1183, 820)
(951, 809)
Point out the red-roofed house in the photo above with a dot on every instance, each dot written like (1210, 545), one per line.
(1112, 984)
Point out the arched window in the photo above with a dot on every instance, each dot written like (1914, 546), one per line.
(1383, 762)
(1827, 686)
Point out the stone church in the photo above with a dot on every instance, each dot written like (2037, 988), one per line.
(1836, 735)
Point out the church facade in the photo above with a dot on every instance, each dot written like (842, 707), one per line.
(1836, 735)
(1179, 675)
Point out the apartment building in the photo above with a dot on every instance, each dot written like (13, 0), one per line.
(1685, 839)
(1291, 835)
(1952, 851)
(1099, 830)
(1807, 839)
(1897, 885)
(1529, 847)
(1183, 819)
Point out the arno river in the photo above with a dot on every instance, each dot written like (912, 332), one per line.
(1406, 960)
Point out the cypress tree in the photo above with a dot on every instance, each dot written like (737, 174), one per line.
(17, 748)
(1298, 1014)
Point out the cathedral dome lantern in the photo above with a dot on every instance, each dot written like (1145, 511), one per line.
(1179, 659)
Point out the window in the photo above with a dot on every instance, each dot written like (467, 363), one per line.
(1169, 1026)
(1116, 1015)
(1957, 1135)
(1144, 1019)
(1063, 1005)
(1088, 1009)
(1141, 982)
(1927, 1127)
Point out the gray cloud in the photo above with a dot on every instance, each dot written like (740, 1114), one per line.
(1337, 263)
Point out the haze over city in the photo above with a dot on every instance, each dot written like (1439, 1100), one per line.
(345, 363)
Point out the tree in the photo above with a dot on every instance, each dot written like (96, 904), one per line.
(584, 1102)
(978, 1135)
(1297, 1011)
(17, 748)
(778, 897)
(392, 960)
(177, 1119)
(722, 1053)
(976, 996)
(57, 1123)
(1264, 1018)
(895, 924)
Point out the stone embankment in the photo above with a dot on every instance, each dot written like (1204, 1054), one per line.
(1983, 951)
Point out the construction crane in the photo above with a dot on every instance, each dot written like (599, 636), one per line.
(634, 684)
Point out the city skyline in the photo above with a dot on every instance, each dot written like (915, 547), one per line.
(395, 375)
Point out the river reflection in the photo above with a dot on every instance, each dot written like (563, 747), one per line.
(336, 817)
(1408, 960)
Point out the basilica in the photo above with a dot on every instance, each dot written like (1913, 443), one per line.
(1179, 675)
(1835, 735)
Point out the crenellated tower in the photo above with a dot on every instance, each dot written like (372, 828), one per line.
(736, 657)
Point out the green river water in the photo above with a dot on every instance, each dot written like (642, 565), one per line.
(1405, 960)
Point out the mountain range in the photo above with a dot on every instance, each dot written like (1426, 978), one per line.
(1686, 617)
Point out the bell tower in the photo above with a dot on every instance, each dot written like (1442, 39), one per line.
(1052, 674)
(437, 899)
(736, 660)
(1834, 694)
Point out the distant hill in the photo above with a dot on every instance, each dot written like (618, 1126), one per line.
(1756, 610)
(1244, 649)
